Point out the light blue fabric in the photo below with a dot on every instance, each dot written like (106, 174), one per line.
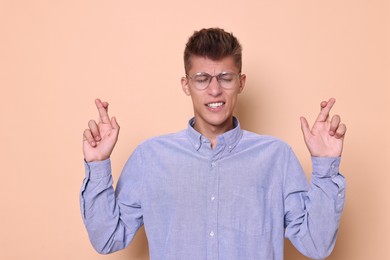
(236, 201)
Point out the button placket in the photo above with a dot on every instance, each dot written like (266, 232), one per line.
(212, 209)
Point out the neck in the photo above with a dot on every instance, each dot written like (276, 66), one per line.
(212, 132)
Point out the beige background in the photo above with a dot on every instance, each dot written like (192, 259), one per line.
(57, 56)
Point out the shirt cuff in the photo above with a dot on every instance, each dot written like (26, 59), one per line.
(97, 170)
(326, 166)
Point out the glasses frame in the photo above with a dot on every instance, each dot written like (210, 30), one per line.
(218, 77)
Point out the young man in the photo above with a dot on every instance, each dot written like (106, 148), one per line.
(215, 191)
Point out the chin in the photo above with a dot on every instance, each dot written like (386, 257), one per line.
(219, 122)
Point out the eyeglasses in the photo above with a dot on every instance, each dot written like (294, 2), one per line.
(226, 80)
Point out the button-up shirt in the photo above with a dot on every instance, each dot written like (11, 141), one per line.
(236, 201)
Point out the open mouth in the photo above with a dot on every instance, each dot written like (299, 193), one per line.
(215, 104)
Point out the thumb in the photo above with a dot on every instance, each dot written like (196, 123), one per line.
(305, 127)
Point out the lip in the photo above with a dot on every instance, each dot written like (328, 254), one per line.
(219, 107)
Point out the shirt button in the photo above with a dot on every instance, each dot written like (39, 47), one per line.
(333, 166)
(212, 233)
(340, 195)
(212, 198)
(213, 164)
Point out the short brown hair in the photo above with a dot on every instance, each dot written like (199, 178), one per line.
(212, 43)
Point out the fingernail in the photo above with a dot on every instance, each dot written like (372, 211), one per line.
(97, 138)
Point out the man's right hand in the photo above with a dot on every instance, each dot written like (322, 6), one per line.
(100, 138)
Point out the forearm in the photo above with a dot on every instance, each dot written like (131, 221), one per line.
(313, 230)
(99, 209)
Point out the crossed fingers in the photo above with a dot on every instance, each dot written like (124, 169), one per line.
(103, 111)
(336, 128)
(92, 134)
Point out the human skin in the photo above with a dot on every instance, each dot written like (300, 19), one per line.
(213, 121)
(324, 139)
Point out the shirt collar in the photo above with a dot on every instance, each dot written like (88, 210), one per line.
(229, 138)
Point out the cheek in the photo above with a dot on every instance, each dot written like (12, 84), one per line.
(234, 98)
(196, 100)
(234, 103)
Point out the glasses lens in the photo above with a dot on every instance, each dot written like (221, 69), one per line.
(226, 80)
(201, 81)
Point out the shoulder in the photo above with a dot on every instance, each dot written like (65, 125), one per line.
(269, 148)
(165, 138)
(163, 141)
(263, 142)
(158, 146)
(262, 139)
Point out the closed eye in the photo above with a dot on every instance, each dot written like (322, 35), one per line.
(202, 79)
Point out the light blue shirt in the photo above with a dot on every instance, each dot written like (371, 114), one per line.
(237, 201)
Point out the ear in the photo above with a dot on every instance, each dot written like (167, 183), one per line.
(185, 87)
(242, 83)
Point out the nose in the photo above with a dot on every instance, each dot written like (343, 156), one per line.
(214, 88)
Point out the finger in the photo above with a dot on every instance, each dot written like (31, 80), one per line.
(102, 108)
(324, 113)
(305, 128)
(341, 130)
(94, 130)
(114, 123)
(87, 137)
(334, 124)
(105, 105)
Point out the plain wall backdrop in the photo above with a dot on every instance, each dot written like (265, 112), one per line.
(56, 57)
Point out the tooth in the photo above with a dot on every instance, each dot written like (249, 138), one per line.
(214, 105)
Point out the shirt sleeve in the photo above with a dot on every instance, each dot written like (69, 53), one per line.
(313, 212)
(112, 217)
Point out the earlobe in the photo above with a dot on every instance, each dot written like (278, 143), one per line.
(184, 86)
